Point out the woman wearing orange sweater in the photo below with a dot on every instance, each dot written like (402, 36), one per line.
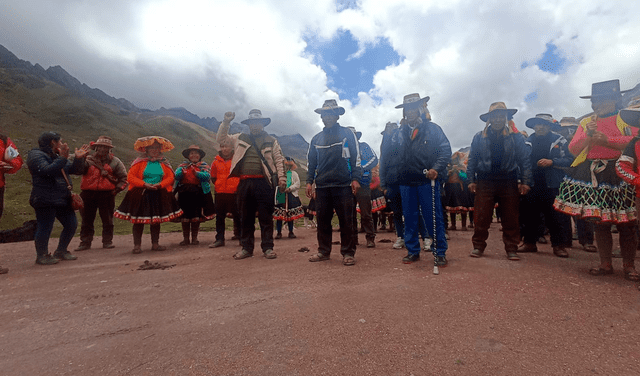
(149, 198)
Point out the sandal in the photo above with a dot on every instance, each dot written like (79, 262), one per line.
(158, 248)
(136, 250)
(270, 254)
(243, 254)
(348, 261)
(632, 275)
(319, 257)
(600, 271)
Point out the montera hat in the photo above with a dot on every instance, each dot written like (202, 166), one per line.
(102, 140)
(496, 108)
(187, 151)
(606, 90)
(544, 119)
(143, 143)
(631, 117)
(330, 106)
(255, 116)
(412, 101)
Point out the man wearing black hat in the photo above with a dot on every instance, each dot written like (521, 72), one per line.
(259, 163)
(334, 166)
(498, 169)
(549, 152)
(420, 153)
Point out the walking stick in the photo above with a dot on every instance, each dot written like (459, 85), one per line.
(436, 270)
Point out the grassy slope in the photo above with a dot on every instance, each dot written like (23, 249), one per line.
(26, 113)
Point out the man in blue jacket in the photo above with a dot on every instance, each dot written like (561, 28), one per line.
(368, 160)
(549, 152)
(334, 166)
(498, 169)
(420, 152)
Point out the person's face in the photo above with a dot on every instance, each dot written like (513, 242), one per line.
(194, 156)
(498, 120)
(605, 107)
(153, 151)
(102, 150)
(55, 145)
(329, 120)
(541, 129)
(225, 150)
(412, 114)
(255, 127)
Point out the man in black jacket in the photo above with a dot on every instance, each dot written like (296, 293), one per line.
(420, 153)
(50, 196)
(334, 166)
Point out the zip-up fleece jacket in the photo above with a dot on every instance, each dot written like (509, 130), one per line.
(411, 151)
(93, 180)
(561, 157)
(269, 147)
(516, 157)
(16, 162)
(334, 158)
(220, 170)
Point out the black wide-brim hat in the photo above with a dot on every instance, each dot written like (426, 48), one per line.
(330, 107)
(544, 119)
(605, 90)
(631, 117)
(497, 108)
(412, 101)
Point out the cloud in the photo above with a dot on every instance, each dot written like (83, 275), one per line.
(215, 56)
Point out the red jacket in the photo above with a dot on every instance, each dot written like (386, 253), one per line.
(220, 169)
(15, 162)
(94, 180)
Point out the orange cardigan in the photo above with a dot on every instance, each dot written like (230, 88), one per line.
(134, 177)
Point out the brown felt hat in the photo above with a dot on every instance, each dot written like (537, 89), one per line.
(185, 152)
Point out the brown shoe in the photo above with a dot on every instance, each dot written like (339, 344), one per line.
(560, 252)
(526, 247)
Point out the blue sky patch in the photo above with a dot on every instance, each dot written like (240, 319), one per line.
(350, 72)
(551, 61)
(531, 97)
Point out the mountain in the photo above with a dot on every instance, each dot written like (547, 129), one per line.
(35, 79)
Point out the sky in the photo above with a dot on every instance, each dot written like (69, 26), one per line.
(286, 58)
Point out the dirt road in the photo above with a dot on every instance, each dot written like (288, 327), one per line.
(212, 315)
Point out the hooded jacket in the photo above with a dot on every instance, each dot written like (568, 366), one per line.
(49, 186)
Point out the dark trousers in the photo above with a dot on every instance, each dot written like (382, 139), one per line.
(45, 217)
(341, 200)
(103, 202)
(585, 231)
(395, 203)
(363, 198)
(279, 226)
(226, 203)
(540, 200)
(255, 195)
(506, 193)
(138, 229)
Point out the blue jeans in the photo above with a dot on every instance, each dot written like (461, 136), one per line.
(418, 204)
(395, 201)
(45, 217)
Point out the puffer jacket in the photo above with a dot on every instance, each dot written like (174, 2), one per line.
(561, 157)
(269, 147)
(220, 170)
(410, 152)
(94, 180)
(16, 162)
(49, 186)
(516, 157)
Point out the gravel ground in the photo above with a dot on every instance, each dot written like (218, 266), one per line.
(213, 315)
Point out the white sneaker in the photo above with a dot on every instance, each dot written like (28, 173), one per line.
(426, 244)
(399, 244)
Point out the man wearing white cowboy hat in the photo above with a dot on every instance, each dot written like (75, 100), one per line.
(259, 163)
(498, 169)
(334, 166)
(368, 160)
(549, 154)
(420, 153)
(104, 176)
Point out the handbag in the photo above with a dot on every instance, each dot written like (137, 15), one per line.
(76, 200)
(274, 177)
